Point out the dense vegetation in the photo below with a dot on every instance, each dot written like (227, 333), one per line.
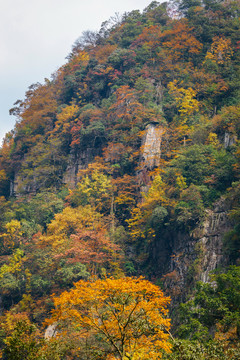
(176, 66)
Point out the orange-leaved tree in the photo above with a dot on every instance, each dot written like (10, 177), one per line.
(122, 318)
(91, 247)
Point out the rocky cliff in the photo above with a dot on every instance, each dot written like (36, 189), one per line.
(193, 257)
(150, 153)
(77, 161)
(179, 256)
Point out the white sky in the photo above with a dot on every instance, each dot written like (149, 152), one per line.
(37, 35)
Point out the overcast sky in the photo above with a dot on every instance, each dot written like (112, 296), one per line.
(37, 35)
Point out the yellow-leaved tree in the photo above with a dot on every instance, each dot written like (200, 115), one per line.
(122, 318)
(221, 50)
(185, 100)
(155, 198)
(12, 237)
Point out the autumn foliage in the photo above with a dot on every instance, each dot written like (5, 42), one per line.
(125, 318)
(113, 169)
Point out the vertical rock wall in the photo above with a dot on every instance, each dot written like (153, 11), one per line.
(184, 257)
(150, 152)
(194, 256)
(76, 162)
(151, 147)
(229, 139)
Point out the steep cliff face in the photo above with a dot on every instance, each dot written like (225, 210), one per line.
(229, 139)
(18, 185)
(151, 146)
(150, 152)
(210, 239)
(76, 162)
(193, 257)
(181, 256)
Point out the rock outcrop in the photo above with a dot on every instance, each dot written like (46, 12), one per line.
(50, 332)
(193, 257)
(229, 139)
(151, 146)
(76, 162)
(150, 152)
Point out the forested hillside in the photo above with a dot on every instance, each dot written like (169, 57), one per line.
(120, 194)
